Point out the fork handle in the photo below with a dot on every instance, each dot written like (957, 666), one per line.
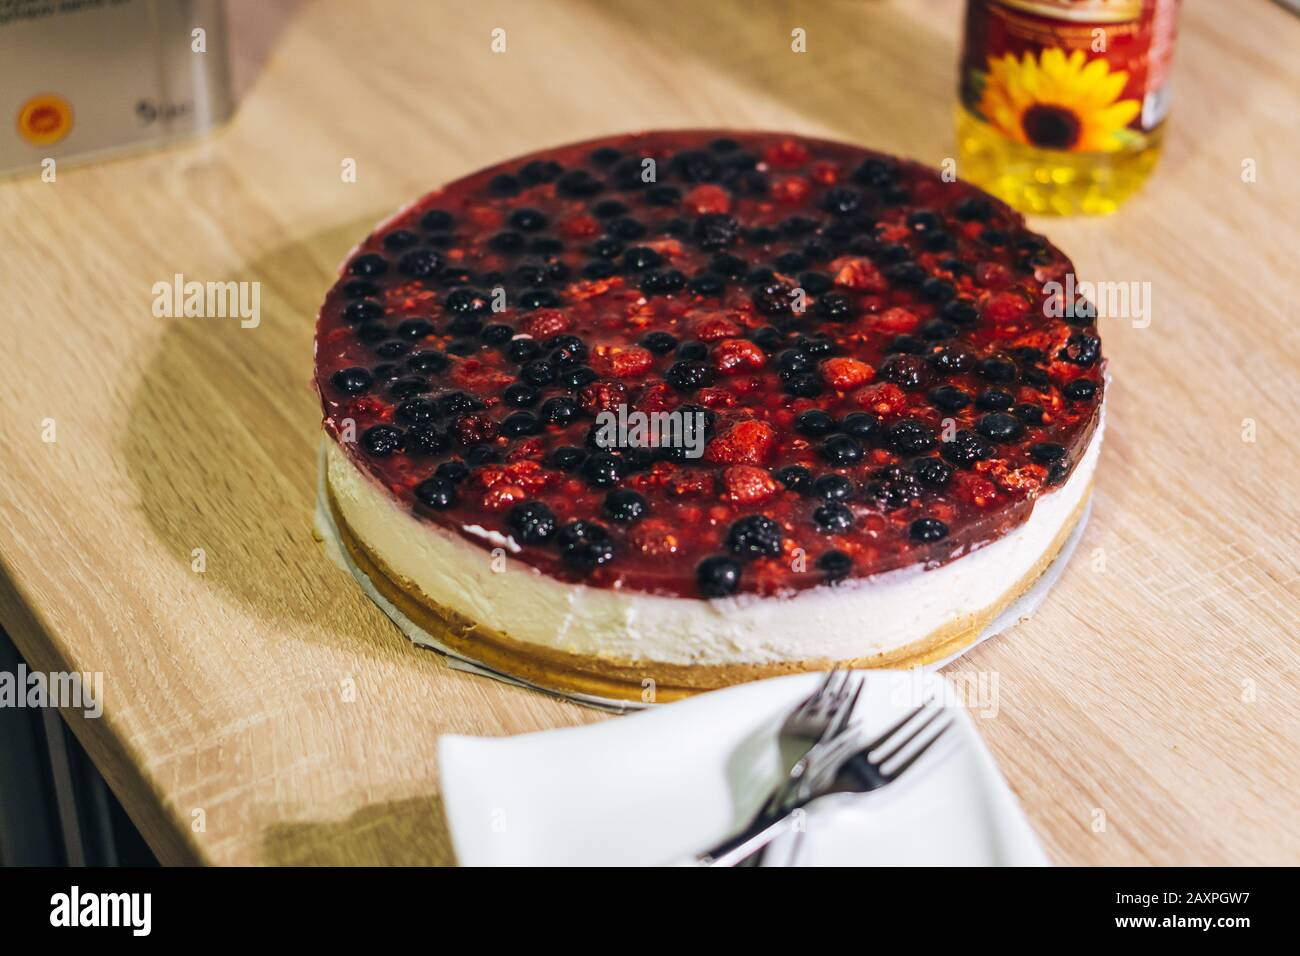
(740, 847)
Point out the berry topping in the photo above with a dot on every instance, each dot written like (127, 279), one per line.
(859, 355)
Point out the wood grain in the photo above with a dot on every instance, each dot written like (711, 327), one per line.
(1157, 686)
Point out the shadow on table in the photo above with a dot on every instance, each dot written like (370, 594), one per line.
(222, 440)
(409, 832)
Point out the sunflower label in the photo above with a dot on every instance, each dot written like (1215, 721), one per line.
(1081, 76)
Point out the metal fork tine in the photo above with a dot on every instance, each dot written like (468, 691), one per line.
(898, 771)
(815, 697)
(845, 712)
(827, 701)
(896, 749)
(872, 745)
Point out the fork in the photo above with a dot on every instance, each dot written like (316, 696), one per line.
(822, 716)
(837, 766)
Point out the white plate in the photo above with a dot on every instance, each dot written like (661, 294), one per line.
(654, 787)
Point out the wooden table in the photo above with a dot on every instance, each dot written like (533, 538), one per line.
(263, 711)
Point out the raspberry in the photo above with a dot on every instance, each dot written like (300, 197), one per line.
(747, 443)
(1005, 308)
(856, 273)
(715, 328)
(621, 362)
(884, 398)
(745, 484)
(736, 356)
(707, 198)
(845, 373)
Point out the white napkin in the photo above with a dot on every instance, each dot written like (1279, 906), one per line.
(656, 787)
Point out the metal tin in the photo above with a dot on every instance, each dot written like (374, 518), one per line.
(87, 79)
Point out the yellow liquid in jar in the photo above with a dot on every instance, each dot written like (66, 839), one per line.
(1050, 182)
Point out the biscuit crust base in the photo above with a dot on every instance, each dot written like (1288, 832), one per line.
(651, 681)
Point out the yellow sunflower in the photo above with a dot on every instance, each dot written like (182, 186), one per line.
(1058, 103)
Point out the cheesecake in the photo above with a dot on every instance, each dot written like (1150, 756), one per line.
(663, 412)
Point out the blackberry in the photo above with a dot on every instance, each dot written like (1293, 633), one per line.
(966, 448)
(893, 487)
(754, 536)
(382, 440)
(910, 437)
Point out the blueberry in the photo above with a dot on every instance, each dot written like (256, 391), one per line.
(540, 171)
(662, 281)
(508, 242)
(859, 424)
(726, 264)
(608, 209)
(520, 423)
(538, 372)
(695, 166)
(973, 209)
(565, 349)
(706, 284)
(1080, 390)
(436, 493)
(938, 289)
(905, 274)
(994, 400)
(359, 288)
(371, 332)
(768, 339)
(966, 448)
(521, 350)
(598, 269)
(687, 376)
(417, 411)
(932, 471)
(420, 263)
(453, 471)
(538, 299)
(905, 344)
(435, 220)
(604, 156)
(796, 478)
(464, 325)
(842, 201)
(836, 565)
(466, 301)
(927, 530)
(576, 377)
(815, 283)
(997, 370)
(427, 363)
(791, 262)
(578, 183)
(832, 487)
(715, 231)
(754, 536)
(834, 306)
(660, 343)
(496, 334)
(585, 545)
(353, 380)
(952, 359)
(559, 410)
(521, 395)
(814, 423)
(949, 398)
(527, 220)
(802, 385)
(960, 311)
(408, 386)
(1047, 451)
(937, 329)
(362, 310)
(663, 195)
(1057, 471)
(625, 227)
(567, 458)
(1029, 413)
(504, 184)
(603, 469)
(458, 403)
(833, 518)
(910, 437)
(425, 440)
(481, 455)
(625, 506)
(415, 328)
(531, 522)
(718, 576)
(382, 440)
(841, 450)
(368, 264)
(1000, 426)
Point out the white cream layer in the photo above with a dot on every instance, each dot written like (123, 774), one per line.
(858, 619)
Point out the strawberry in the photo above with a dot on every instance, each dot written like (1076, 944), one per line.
(736, 356)
(746, 485)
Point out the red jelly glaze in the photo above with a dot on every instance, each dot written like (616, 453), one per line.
(990, 259)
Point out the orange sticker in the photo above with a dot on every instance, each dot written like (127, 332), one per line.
(45, 119)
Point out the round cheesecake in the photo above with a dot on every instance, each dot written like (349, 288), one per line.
(668, 411)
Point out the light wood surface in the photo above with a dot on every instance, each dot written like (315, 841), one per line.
(1156, 689)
